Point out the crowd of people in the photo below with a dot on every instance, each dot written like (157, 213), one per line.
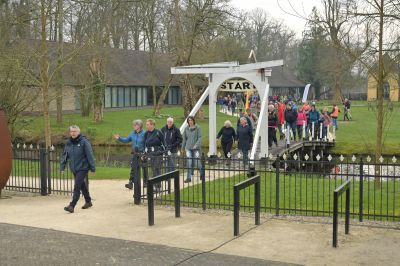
(285, 115)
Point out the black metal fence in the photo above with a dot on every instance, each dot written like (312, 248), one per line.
(297, 184)
(37, 170)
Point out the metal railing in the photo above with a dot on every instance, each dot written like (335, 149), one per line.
(155, 181)
(345, 187)
(297, 184)
(36, 169)
(255, 180)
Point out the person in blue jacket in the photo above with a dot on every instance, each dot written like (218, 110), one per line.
(313, 118)
(136, 137)
(79, 154)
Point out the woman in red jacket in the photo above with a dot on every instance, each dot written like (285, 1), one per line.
(281, 118)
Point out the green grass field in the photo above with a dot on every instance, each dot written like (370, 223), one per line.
(356, 136)
(303, 194)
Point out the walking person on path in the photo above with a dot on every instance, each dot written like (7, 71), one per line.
(291, 120)
(301, 122)
(192, 145)
(334, 115)
(281, 119)
(173, 140)
(347, 113)
(272, 126)
(79, 154)
(136, 137)
(154, 148)
(245, 138)
(228, 137)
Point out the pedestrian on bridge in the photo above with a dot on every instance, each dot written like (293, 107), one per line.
(245, 139)
(228, 135)
(291, 120)
(272, 126)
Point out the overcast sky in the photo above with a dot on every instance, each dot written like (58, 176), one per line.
(303, 7)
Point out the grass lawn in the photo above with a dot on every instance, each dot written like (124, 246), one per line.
(299, 194)
(118, 122)
(356, 136)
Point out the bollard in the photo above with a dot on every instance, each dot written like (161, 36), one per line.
(304, 130)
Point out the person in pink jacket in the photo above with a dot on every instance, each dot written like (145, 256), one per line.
(301, 120)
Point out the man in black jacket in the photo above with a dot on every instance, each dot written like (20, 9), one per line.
(291, 119)
(173, 141)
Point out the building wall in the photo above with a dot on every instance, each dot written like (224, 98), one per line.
(68, 99)
(393, 92)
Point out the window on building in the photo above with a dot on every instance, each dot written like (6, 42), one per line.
(107, 97)
(114, 99)
(139, 97)
(144, 96)
(127, 99)
(120, 97)
(133, 96)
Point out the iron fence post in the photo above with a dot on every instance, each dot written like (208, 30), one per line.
(335, 218)
(347, 218)
(177, 196)
(49, 156)
(361, 192)
(236, 206)
(150, 203)
(137, 186)
(277, 166)
(203, 181)
(257, 202)
(43, 169)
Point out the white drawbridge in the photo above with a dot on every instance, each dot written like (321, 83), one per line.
(217, 74)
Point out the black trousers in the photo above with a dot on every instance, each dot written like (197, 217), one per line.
(271, 136)
(135, 168)
(226, 147)
(80, 184)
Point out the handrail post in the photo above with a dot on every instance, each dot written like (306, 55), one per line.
(335, 218)
(150, 203)
(257, 197)
(177, 196)
(361, 204)
(277, 167)
(203, 182)
(236, 207)
(347, 219)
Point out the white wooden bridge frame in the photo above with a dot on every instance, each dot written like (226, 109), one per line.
(217, 74)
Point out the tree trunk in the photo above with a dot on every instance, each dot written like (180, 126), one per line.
(337, 97)
(164, 93)
(44, 75)
(59, 86)
(380, 115)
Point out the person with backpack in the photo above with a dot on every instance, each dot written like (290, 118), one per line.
(154, 146)
(79, 154)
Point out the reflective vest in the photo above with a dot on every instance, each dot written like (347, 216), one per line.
(335, 112)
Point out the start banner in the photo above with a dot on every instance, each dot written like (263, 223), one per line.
(237, 86)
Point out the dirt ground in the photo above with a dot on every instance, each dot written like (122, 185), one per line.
(114, 215)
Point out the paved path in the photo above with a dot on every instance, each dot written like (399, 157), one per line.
(117, 227)
(21, 245)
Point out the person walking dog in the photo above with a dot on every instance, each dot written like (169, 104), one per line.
(79, 154)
